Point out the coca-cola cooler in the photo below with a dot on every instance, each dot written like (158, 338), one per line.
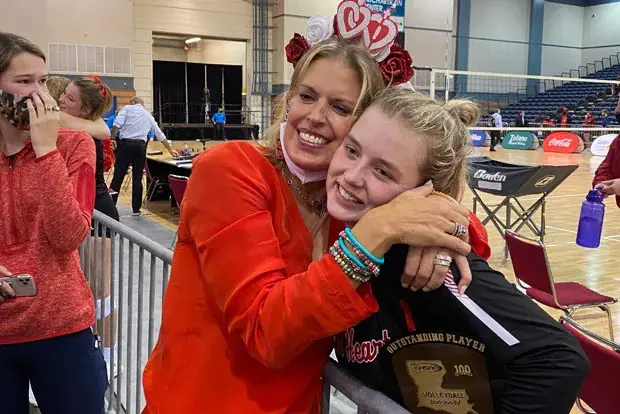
(512, 181)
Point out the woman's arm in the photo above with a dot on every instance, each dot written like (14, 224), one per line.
(97, 128)
(544, 371)
(277, 308)
(68, 191)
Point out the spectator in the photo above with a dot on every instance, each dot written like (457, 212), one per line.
(605, 119)
(617, 112)
(615, 88)
(607, 176)
(89, 99)
(133, 125)
(564, 119)
(496, 135)
(588, 122)
(521, 120)
(219, 119)
(45, 339)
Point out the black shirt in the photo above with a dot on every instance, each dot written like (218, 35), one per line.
(100, 186)
(428, 352)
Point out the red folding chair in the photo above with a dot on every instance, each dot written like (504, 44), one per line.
(178, 184)
(531, 266)
(600, 387)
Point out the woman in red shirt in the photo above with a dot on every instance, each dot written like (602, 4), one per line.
(46, 203)
(253, 298)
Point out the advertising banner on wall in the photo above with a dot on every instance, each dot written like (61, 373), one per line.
(398, 10)
(600, 146)
(564, 142)
(521, 140)
(479, 138)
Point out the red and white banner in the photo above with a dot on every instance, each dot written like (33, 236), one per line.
(564, 142)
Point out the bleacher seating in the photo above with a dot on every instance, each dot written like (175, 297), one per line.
(579, 97)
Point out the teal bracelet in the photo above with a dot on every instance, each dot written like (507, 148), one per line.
(354, 241)
(351, 255)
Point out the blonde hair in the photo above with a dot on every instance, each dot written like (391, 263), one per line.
(354, 55)
(56, 85)
(95, 102)
(443, 128)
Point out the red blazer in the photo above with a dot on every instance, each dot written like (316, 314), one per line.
(610, 167)
(46, 206)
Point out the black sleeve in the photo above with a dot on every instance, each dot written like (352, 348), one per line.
(545, 370)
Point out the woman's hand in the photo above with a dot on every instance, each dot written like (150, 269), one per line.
(5, 289)
(421, 271)
(44, 122)
(415, 219)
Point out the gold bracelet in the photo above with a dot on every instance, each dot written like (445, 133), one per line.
(444, 196)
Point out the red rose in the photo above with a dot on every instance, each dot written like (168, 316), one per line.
(296, 48)
(396, 68)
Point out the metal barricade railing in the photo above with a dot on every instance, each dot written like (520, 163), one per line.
(110, 258)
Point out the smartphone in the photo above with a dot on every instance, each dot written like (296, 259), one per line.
(23, 285)
(14, 109)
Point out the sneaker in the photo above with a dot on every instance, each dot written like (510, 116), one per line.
(136, 213)
(31, 397)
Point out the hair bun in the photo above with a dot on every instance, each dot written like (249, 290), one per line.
(465, 111)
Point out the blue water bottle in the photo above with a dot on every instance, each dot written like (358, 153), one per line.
(591, 220)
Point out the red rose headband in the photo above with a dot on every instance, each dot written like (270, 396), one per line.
(356, 20)
(102, 89)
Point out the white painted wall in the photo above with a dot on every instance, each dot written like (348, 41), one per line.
(502, 31)
(429, 27)
(85, 22)
(601, 33)
(563, 26)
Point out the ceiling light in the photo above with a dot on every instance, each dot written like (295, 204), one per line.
(192, 40)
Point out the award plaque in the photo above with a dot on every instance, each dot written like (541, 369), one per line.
(441, 373)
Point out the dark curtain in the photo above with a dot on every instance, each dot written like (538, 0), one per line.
(214, 83)
(232, 93)
(195, 88)
(169, 91)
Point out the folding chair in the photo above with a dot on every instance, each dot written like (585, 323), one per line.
(600, 387)
(178, 184)
(153, 183)
(531, 266)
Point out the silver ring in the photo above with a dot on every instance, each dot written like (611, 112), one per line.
(459, 230)
(55, 108)
(443, 260)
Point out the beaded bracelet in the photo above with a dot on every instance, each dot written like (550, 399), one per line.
(348, 266)
(361, 270)
(444, 196)
(369, 264)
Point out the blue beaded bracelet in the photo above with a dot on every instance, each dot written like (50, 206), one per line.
(351, 255)
(354, 241)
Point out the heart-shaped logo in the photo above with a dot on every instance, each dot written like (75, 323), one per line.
(353, 18)
(380, 33)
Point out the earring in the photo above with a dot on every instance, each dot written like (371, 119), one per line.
(286, 113)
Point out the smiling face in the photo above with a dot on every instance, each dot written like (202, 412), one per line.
(71, 101)
(378, 160)
(320, 113)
